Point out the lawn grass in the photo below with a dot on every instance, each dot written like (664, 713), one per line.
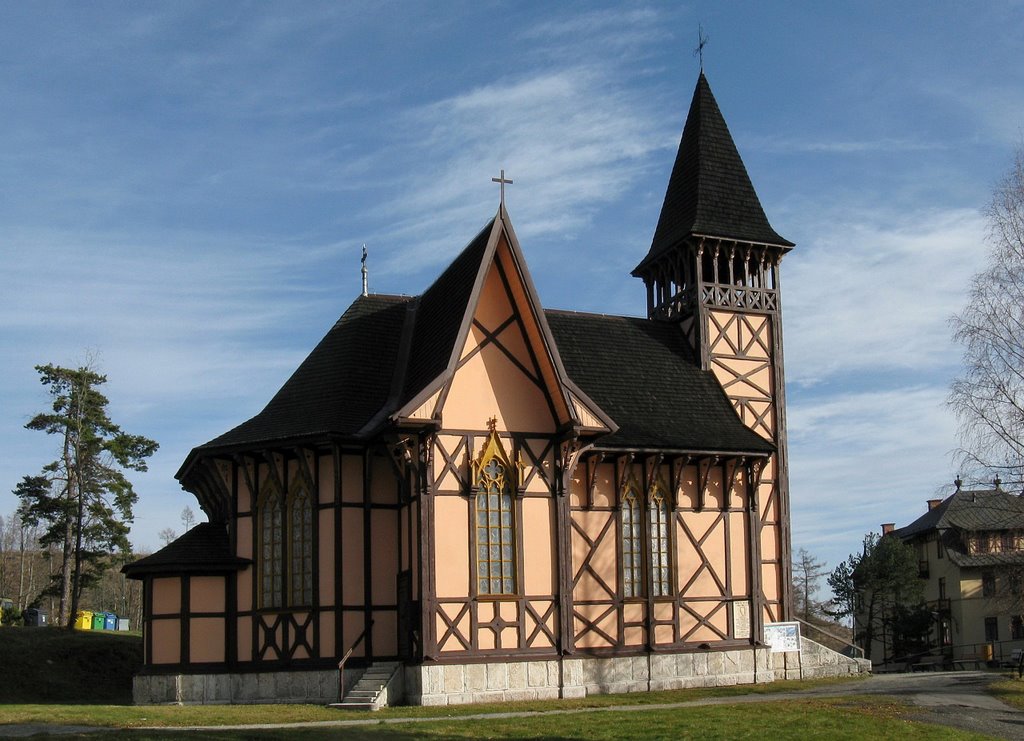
(134, 716)
(53, 665)
(1010, 690)
(846, 718)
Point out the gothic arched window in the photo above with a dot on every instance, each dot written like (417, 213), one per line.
(632, 551)
(657, 510)
(270, 550)
(300, 515)
(494, 518)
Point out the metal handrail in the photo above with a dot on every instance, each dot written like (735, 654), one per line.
(842, 640)
(345, 658)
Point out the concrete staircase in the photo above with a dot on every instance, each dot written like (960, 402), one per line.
(379, 687)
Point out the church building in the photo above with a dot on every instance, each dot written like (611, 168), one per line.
(464, 496)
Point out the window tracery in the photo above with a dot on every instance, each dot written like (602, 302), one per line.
(493, 483)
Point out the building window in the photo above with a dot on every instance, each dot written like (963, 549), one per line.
(632, 554)
(280, 518)
(495, 524)
(942, 587)
(1016, 628)
(300, 512)
(1009, 542)
(991, 629)
(271, 530)
(981, 543)
(938, 546)
(658, 520)
(988, 584)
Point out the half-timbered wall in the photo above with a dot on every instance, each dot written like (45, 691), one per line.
(741, 354)
(710, 549)
(501, 378)
(364, 548)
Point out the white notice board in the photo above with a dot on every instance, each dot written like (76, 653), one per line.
(782, 636)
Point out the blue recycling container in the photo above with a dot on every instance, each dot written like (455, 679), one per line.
(109, 621)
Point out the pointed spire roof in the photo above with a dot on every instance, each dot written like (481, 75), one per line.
(709, 192)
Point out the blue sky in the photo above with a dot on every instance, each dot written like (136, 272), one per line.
(185, 187)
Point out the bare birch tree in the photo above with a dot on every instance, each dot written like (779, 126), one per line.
(988, 397)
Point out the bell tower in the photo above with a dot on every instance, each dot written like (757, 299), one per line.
(713, 268)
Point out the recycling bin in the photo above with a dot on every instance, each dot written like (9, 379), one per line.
(122, 624)
(83, 620)
(35, 618)
(99, 619)
(109, 621)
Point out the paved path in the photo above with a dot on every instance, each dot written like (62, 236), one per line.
(956, 699)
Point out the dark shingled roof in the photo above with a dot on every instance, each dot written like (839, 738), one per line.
(340, 385)
(967, 511)
(709, 191)
(205, 548)
(643, 373)
(970, 510)
(439, 314)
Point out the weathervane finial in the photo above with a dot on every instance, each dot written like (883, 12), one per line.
(702, 41)
(502, 181)
(363, 269)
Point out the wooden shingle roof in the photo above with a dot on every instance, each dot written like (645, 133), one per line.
(203, 549)
(644, 374)
(709, 192)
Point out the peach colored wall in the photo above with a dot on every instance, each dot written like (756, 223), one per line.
(327, 556)
(385, 632)
(383, 488)
(491, 384)
(449, 482)
(604, 561)
(592, 639)
(206, 639)
(206, 594)
(352, 556)
(243, 589)
(462, 625)
(538, 531)
(541, 606)
(604, 486)
(326, 646)
(244, 495)
(352, 625)
(244, 638)
(243, 527)
(740, 554)
(351, 478)
(713, 548)
(452, 541)
(166, 641)
(488, 385)
(166, 595)
(384, 550)
(326, 473)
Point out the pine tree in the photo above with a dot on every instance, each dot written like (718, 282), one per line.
(83, 497)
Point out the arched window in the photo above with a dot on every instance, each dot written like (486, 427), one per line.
(495, 522)
(657, 509)
(300, 514)
(271, 554)
(632, 552)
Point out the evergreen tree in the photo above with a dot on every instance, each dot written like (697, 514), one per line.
(82, 498)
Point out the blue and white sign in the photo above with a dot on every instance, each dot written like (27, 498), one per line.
(782, 637)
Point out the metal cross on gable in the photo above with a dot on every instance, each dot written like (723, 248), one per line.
(702, 41)
(502, 181)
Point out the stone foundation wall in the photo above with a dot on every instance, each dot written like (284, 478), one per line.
(316, 687)
(815, 661)
(456, 684)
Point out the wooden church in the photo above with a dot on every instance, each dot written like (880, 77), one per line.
(464, 496)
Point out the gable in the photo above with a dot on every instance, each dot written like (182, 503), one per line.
(502, 358)
(498, 373)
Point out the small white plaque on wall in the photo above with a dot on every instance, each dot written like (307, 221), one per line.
(741, 619)
(782, 637)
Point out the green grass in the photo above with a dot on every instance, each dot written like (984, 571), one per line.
(53, 665)
(847, 718)
(133, 716)
(1010, 690)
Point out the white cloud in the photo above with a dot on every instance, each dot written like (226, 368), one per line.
(873, 292)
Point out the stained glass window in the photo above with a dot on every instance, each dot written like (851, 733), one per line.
(632, 554)
(270, 551)
(301, 560)
(658, 520)
(494, 531)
